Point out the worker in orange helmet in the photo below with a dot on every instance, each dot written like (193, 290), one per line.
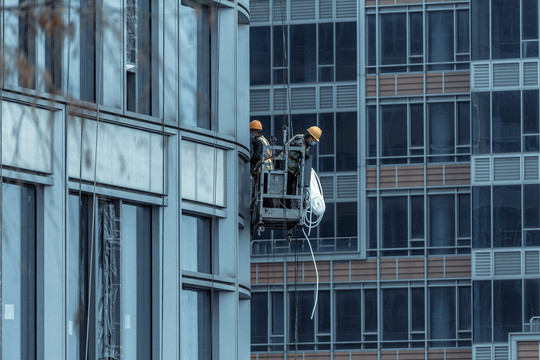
(260, 157)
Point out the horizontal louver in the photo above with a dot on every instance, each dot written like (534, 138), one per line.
(325, 9)
(302, 10)
(346, 96)
(259, 100)
(346, 9)
(482, 264)
(280, 99)
(530, 73)
(482, 352)
(506, 75)
(531, 167)
(303, 98)
(326, 97)
(280, 10)
(481, 170)
(507, 263)
(327, 183)
(506, 169)
(347, 186)
(480, 76)
(501, 352)
(259, 11)
(532, 262)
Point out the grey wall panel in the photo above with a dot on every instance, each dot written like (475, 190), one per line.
(242, 89)
(27, 137)
(226, 96)
(169, 62)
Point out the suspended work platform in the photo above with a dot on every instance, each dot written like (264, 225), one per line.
(278, 196)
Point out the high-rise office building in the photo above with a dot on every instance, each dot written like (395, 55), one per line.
(429, 162)
(124, 205)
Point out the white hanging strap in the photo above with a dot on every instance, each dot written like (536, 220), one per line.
(316, 274)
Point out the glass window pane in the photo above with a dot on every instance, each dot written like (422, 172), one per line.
(417, 125)
(394, 222)
(346, 147)
(505, 29)
(346, 51)
(277, 313)
(346, 219)
(441, 223)
(464, 308)
(18, 272)
(481, 217)
(195, 324)
(326, 44)
(371, 131)
(370, 306)
(394, 130)
(506, 216)
(480, 29)
(259, 318)
(482, 311)
(372, 222)
(395, 314)
(393, 34)
(441, 129)
(481, 119)
(531, 296)
(417, 217)
(279, 55)
(416, 36)
(441, 39)
(506, 310)
(529, 19)
(530, 111)
(442, 316)
(464, 123)
(531, 199)
(348, 315)
(259, 55)
(326, 123)
(462, 31)
(326, 227)
(305, 324)
(417, 309)
(506, 121)
(371, 35)
(323, 312)
(303, 57)
(464, 215)
(195, 250)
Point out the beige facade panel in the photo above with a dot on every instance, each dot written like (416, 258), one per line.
(324, 272)
(389, 355)
(435, 175)
(387, 85)
(388, 269)
(413, 84)
(411, 355)
(436, 268)
(528, 350)
(458, 267)
(268, 274)
(363, 270)
(410, 84)
(410, 176)
(434, 83)
(387, 177)
(316, 356)
(371, 86)
(459, 174)
(410, 269)
(414, 176)
(341, 271)
(371, 178)
(458, 354)
(458, 82)
(368, 355)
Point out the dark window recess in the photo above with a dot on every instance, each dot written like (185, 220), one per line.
(530, 111)
(372, 131)
(531, 296)
(505, 29)
(326, 44)
(371, 40)
(372, 223)
(441, 130)
(417, 309)
(464, 308)
(348, 315)
(259, 55)
(529, 19)
(305, 324)
(346, 219)
(326, 122)
(482, 311)
(303, 57)
(416, 34)
(417, 217)
(464, 226)
(370, 306)
(462, 26)
(464, 123)
(279, 55)
(507, 216)
(417, 125)
(480, 29)
(531, 199)
(346, 51)
(323, 313)
(393, 46)
(506, 117)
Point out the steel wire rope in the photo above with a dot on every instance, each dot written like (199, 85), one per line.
(163, 159)
(94, 200)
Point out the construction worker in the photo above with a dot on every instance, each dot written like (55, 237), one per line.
(311, 138)
(260, 157)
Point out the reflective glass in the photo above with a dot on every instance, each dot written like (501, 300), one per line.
(480, 29)
(441, 130)
(372, 222)
(506, 115)
(259, 55)
(441, 39)
(505, 29)
(348, 315)
(416, 34)
(371, 40)
(529, 19)
(195, 248)
(305, 325)
(481, 217)
(279, 55)
(530, 297)
(417, 309)
(464, 123)
(371, 131)
(530, 111)
(259, 318)
(507, 216)
(395, 312)
(346, 219)
(481, 116)
(531, 201)
(417, 217)
(303, 56)
(370, 310)
(462, 23)
(323, 312)
(326, 44)
(346, 147)
(394, 130)
(507, 315)
(195, 324)
(326, 123)
(346, 51)
(464, 215)
(441, 223)
(394, 222)
(417, 125)
(442, 316)
(464, 308)
(393, 47)
(482, 311)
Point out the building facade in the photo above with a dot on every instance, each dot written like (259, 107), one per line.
(430, 169)
(124, 199)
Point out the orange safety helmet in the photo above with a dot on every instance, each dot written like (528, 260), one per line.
(255, 125)
(315, 131)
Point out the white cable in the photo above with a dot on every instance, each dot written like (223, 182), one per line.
(316, 273)
(315, 204)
